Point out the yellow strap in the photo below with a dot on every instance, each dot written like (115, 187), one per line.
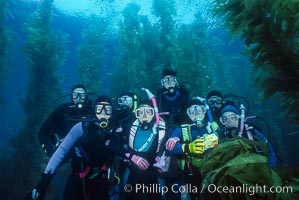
(186, 131)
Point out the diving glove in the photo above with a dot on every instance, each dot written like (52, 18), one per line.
(39, 191)
(195, 147)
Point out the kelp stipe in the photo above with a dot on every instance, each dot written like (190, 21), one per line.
(5, 41)
(45, 53)
(91, 52)
(130, 70)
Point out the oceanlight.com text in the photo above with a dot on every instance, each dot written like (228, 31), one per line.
(211, 188)
(249, 189)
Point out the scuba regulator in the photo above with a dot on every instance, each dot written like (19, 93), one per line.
(103, 123)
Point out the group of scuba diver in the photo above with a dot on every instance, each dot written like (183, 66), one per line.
(158, 140)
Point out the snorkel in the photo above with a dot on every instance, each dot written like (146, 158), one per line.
(207, 108)
(196, 111)
(242, 119)
(208, 111)
(134, 103)
(156, 125)
(152, 98)
(212, 126)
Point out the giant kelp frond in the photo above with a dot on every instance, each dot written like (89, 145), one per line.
(149, 40)
(234, 164)
(130, 72)
(43, 17)
(4, 9)
(45, 53)
(194, 62)
(165, 11)
(270, 30)
(91, 53)
(163, 8)
(5, 40)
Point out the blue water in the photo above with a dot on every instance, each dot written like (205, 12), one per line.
(16, 83)
(15, 88)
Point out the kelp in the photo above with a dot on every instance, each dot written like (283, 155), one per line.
(45, 53)
(146, 48)
(130, 72)
(91, 52)
(187, 48)
(165, 10)
(234, 165)
(195, 65)
(5, 41)
(149, 41)
(270, 30)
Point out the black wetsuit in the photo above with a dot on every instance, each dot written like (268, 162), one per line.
(175, 104)
(124, 120)
(59, 123)
(92, 153)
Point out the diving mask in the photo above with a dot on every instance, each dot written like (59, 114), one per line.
(125, 100)
(214, 101)
(196, 110)
(107, 108)
(168, 81)
(141, 112)
(78, 97)
(232, 118)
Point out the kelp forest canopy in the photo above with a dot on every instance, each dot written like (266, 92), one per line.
(260, 62)
(270, 32)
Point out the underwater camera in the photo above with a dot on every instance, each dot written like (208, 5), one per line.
(210, 141)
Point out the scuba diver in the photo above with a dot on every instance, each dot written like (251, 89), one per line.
(172, 99)
(125, 116)
(236, 126)
(215, 102)
(63, 118)
(93, 144)
(188, 143)
(127, 104)
(146, 137)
